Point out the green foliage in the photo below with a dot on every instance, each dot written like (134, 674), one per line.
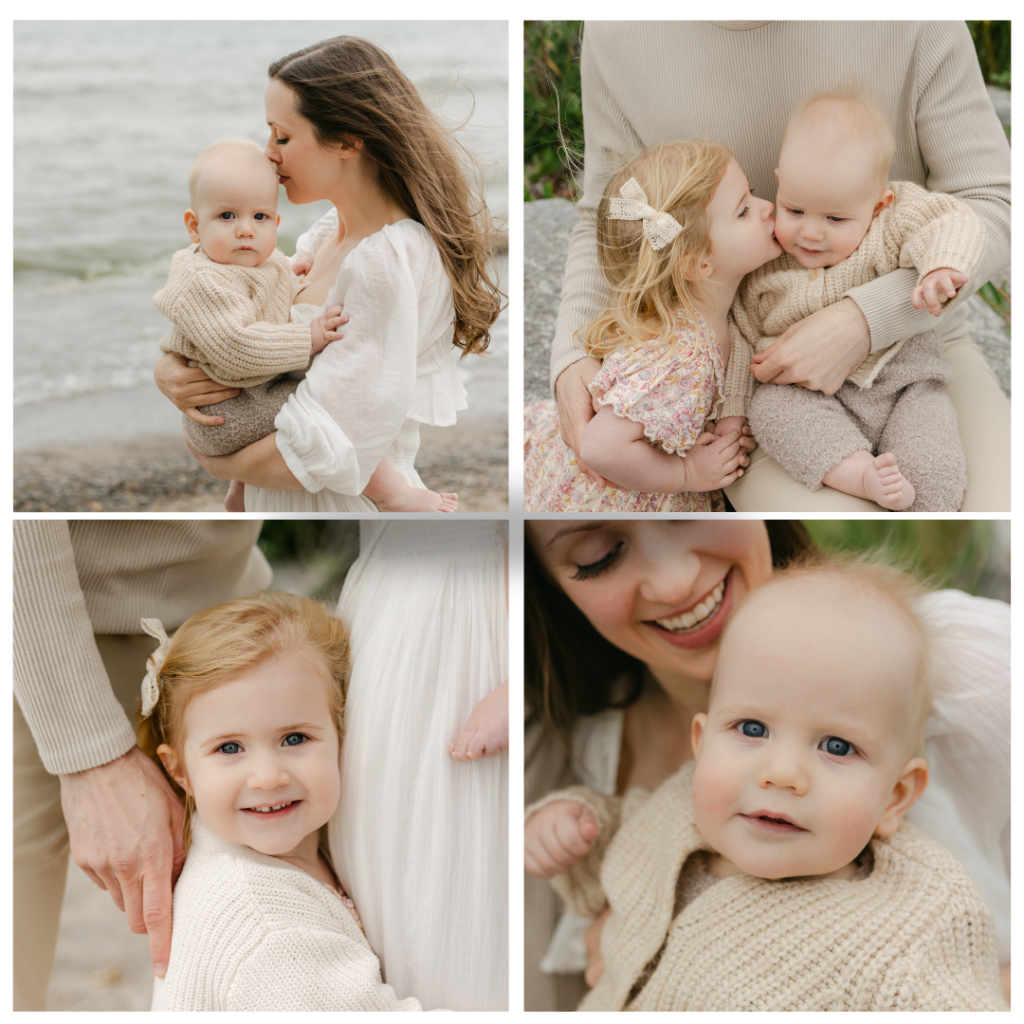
(552, 106)
(945, 552)
(997, 298)
(992, 44)
(321, 551)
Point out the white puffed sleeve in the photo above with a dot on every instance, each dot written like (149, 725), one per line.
(967, 803)
(315, 236)
(395, 362)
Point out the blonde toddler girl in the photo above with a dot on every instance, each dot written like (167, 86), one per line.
(243, 709)
(677, 230)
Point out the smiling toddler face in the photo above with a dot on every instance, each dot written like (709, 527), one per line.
(266, 739)
(812, 720)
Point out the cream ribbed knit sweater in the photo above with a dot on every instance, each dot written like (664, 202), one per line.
(252, 932)
(913, 935)
(234, 322)
(648, 82)
(75, 578)
(919, 229)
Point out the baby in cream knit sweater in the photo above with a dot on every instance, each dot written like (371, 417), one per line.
(244, 711)
(775, 871)
(889, 434)
(229, 296)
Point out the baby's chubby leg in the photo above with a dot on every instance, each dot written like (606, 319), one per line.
(485, 734)
(390, 493)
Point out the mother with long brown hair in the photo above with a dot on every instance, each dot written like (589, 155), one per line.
(405, 249)
(623, 622)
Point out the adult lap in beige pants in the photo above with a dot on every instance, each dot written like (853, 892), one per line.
(983, 416)
(41, 837)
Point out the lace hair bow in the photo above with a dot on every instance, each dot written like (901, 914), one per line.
(659, 228)
(155, 662)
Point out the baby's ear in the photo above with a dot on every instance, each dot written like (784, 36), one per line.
(172, 765)
(192, 225)
(700, 720)
(886, 200)
(909, 786)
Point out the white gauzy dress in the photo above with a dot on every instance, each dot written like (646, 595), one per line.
(420, 841)
(366, 395)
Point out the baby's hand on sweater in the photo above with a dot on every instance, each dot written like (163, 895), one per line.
(303, 265)
(325, 327)
(485, 734)
(936, 289)
(559, 835)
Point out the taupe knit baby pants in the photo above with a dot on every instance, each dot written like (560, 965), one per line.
(248, 417)
(906, 411)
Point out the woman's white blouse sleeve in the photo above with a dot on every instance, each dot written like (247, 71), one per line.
(967, 803)
(344, 416)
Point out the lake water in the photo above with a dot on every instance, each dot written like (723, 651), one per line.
(108, 117)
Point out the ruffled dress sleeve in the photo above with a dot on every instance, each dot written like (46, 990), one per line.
(670, 390)
(396, 362)
(311, 239)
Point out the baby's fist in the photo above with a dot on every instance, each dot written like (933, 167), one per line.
(303, 265)
(936, 289)
(326, 328)
(558, 836)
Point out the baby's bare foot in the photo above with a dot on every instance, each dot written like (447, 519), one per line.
(234, 500)
(486, 732)
(886, 485)
(419, 499)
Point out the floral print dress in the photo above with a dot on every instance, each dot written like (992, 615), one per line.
(670, 390)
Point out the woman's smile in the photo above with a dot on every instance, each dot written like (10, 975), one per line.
(701, 623)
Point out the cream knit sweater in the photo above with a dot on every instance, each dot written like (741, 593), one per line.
(919, 229)
(648, 82)
(252, 932)
(75, 578)
(234, 322)
(913, 935)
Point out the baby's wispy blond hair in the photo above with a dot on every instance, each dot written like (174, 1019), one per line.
(232, 145)
(648, 286)
(842, 114)
(873, 575)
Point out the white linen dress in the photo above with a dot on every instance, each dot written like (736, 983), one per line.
(420, 841)
(966, 806)
(366, 395)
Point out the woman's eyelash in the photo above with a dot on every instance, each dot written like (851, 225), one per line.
(587, 572)
(280, 142)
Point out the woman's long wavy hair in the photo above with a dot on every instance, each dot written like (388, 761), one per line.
(216, 645)
(648, 287)
(348, 88)
(570, 669)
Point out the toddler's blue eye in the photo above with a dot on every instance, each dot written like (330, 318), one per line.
(294, 739)
(753, 729)
(837, 747)
(230, 748)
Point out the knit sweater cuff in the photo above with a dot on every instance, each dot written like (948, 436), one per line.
(885, 303)
(59, 679)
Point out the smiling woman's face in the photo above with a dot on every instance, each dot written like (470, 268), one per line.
(660, 590)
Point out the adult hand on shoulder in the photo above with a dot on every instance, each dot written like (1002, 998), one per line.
(576, 405)
(819, 352)
(125, 824)
(189, 387)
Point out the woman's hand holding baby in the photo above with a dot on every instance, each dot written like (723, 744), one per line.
(325, 327)
(558, 836)
(937, 289)
(189, 387)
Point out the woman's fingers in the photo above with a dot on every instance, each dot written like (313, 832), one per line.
(201, 417)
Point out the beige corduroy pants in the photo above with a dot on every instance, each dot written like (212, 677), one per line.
(41, 843)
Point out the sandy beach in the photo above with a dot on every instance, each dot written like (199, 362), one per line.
(123, 452)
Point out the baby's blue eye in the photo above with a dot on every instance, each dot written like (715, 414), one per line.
(262, 216)
(294, 739)
(837, 747)
(226, 215)
(753, 729)
(230, 748)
